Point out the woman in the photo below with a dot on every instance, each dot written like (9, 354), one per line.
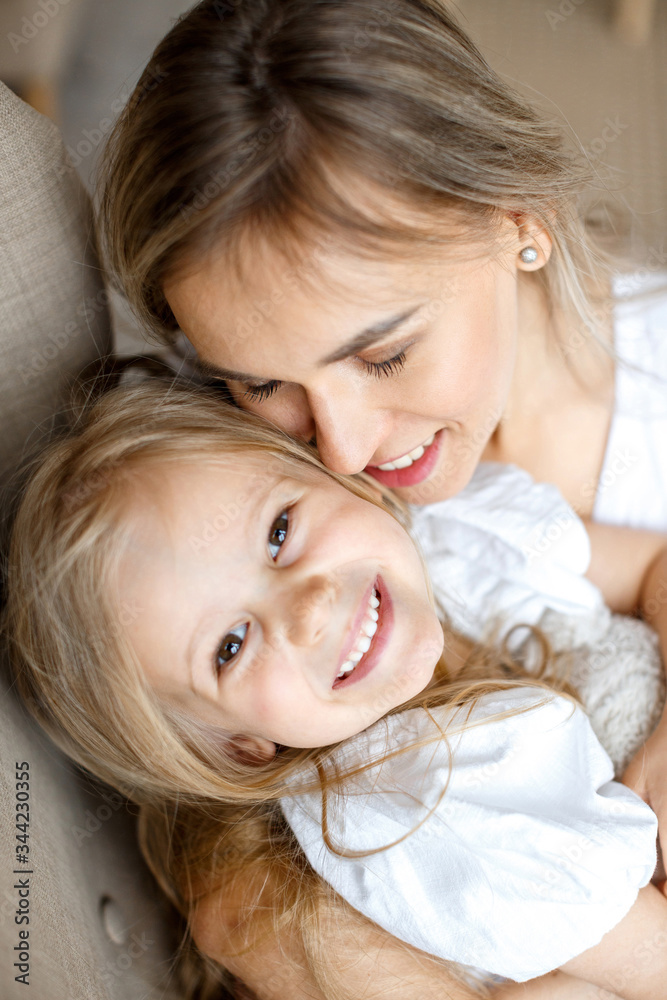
(378, 246)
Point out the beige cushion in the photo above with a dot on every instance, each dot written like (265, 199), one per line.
(53, 304)
(98, 927)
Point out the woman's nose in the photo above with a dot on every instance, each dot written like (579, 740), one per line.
(347, 433)
(347, 430)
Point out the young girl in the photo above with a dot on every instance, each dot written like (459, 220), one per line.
(226, 631)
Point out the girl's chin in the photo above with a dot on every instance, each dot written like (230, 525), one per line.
(419, 672)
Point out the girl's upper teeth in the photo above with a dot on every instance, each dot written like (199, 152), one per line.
(406, 460)
(367, 630)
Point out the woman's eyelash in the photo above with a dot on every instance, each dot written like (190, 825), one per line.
(263, 391)
(382, 369)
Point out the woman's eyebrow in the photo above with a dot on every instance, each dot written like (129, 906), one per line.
(369, 336)
(216, 371)
(360, 342)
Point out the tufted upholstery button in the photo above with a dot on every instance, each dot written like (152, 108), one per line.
(112, 920)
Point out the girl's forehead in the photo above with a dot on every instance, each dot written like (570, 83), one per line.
(161, 482)
(186, 515)
(169, 494)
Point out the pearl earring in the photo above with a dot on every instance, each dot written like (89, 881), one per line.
(528, 255)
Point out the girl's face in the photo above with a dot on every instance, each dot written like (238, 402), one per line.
(403, 370)
(273, 603)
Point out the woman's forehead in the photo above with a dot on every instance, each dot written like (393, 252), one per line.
(328, 275)
(388, 249)
(310, 307)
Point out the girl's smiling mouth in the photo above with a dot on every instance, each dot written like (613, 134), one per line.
(368, 637)
(411, 468)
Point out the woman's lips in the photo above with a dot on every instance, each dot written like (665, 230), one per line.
(415, 473)
(379, 641)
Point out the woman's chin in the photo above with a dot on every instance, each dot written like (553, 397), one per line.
(446, 481)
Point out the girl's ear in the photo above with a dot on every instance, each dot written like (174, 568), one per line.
(251, 750)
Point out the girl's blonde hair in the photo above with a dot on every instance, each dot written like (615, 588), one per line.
(209, 815)
(246, 111)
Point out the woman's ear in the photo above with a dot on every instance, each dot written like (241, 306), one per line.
(532, 236)
(251, 750)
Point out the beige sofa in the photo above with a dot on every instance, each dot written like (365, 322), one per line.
(98, 928)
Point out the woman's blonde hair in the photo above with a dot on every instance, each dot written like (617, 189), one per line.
(209, 815)
(246, 111)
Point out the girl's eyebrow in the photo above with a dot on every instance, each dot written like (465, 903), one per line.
(360, 342)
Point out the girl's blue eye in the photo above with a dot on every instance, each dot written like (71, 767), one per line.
(278, 534)
(230, 646)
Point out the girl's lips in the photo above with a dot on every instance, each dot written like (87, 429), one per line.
(379, 641)
(356, 625)
(415, 473)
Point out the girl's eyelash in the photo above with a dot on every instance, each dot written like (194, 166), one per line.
(229, 648)
(278, 537)
(383, 369)
(261, 392)
(232, 642)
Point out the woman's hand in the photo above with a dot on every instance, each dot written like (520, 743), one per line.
(368, 962)
(554, 986)
(630, 568)
(646, 774)
(631, 958)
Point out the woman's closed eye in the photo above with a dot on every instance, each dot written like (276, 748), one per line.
(392, 366)
(263, 391)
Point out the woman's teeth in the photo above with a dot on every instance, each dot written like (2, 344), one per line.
(407, 460)
(367, 630)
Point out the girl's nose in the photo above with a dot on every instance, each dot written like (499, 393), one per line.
(305, 606)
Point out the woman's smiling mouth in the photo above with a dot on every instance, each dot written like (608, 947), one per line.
(411, 468)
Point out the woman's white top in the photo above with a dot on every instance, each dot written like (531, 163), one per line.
(632, 489)
(529, 857)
